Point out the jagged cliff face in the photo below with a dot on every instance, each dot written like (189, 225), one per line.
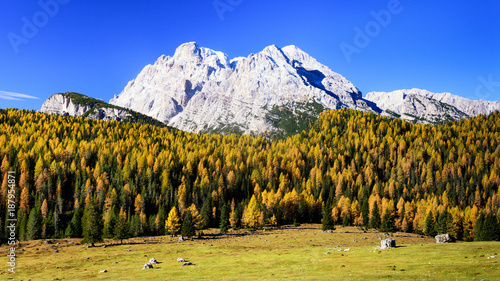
(63, 105)
(74, 104)
(421, 106)
(201, 90)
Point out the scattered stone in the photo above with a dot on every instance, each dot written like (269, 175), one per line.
(153, 261)
(56, 251)
(388, 243)
(48, 242)
(355, 240)
(187, 263)
(386, 235)
(347, 250)
(104, 246)
(443, 238)
(210, 245)
(147, 266)
(327, 253)
(57, 244)
(189, 244)
(103, 271)
(364, 238)
(180, 260)
(71, 243)
(181, 239)
(327, 231)
(492, 257)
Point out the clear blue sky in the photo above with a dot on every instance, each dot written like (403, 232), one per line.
(96, 47)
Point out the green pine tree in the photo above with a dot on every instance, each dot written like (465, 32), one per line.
(224, 219)
(491, 229)
(388, 223)
(206, 214)
(327, 219)
(365, 212)
(375, 217)
(121, 230)
(478, 228)
(34, 226)
(74, 229)
(429, 225)
(110, 223)
(187, 228)
(92, 226)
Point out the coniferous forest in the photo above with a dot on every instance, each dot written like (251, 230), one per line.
(84, 178)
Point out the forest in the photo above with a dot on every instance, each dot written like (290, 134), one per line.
(76, 177)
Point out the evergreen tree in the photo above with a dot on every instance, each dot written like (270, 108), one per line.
(388, 223)
(327, 219)
(74, 228)
(121, 230)
(429, 225)
(92, 226)
(224, 219)
(444, 222)
(345, 220)
(490, 230)
(206, 214)
(478, 228)
(187, 229)
(365, 212)
(109, 224)
(375, 217)
(23, 219)
(34, 226)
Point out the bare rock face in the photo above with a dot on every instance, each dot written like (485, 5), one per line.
(388, 243)
(201, 90)
(78, 105)
(443, 238)
(64, 105)
(421, 106)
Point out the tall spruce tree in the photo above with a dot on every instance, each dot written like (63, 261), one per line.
(92, 226)
(388, 223)
(34, 227)
(327, 220)
(478, 228)
(490, 230)
(224, 219)
(187, 229)
(121, 230)
(429, 225)
(375, 217)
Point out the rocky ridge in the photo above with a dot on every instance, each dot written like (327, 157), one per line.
(201, 90)
(421, 106)
(75, 104)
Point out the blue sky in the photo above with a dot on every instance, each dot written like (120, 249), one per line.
(96, 47)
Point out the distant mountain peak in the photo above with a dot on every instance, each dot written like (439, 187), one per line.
(422, 106)
(202, 90)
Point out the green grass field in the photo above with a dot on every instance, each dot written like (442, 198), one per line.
(290, 253)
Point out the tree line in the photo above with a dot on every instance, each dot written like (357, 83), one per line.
(87, 178)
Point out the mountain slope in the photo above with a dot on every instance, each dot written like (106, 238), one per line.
(201, 90)
(421, 106)
(75, 104)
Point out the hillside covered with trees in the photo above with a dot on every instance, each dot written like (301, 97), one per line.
(76, 175)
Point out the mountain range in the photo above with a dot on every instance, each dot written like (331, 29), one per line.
(278, 92)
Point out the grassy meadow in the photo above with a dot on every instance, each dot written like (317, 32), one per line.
(288, 253)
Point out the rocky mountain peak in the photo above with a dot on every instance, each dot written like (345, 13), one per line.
(201, 90)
